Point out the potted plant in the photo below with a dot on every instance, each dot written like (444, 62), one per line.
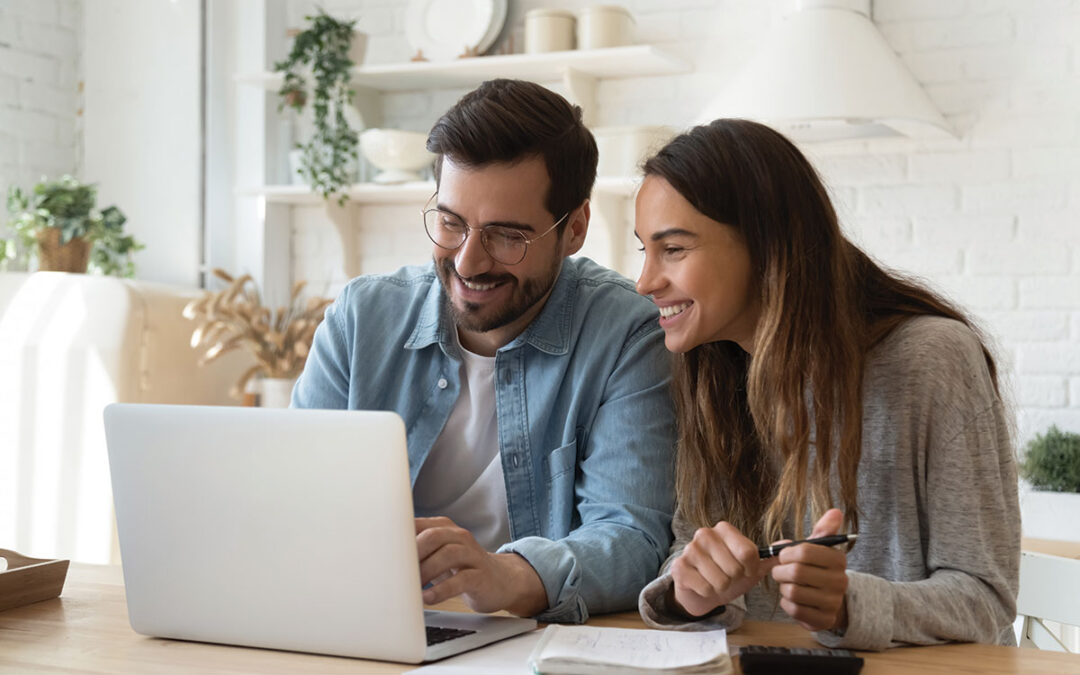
(329, 158)
(235, 317)
(1050, 508)
(58, 224)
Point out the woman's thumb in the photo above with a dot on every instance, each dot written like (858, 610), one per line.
(829, 523)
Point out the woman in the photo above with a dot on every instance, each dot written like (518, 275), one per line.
(806, 377)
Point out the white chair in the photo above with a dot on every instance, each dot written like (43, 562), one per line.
(69, 345)
(1049, 593)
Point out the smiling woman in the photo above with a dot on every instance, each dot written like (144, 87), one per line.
(809, 378)
(697, 270)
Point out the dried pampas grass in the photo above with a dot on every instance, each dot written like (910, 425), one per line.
(235, 317)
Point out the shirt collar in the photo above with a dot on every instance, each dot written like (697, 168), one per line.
(549, 331)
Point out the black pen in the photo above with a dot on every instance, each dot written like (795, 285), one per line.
(831, 540)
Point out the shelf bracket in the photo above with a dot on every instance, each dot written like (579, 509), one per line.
(581, 90)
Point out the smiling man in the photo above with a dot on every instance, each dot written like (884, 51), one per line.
(533, 385)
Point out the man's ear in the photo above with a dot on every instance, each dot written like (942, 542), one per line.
(578, 227)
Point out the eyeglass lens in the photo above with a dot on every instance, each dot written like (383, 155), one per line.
(448, 231)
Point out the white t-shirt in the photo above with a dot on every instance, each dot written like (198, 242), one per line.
(462, 477)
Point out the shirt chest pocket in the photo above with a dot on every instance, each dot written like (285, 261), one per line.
(561, 464)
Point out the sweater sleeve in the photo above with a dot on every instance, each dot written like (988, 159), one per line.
(656, 600)
(971, 536)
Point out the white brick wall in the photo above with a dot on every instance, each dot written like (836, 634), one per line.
(992, 218)
(39, 95)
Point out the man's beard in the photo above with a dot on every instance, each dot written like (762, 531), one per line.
(524, 296)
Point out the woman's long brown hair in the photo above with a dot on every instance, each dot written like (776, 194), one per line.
(770, 426)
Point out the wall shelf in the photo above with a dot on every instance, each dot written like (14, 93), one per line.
(578, 71)
(613, 62)
(403, 193)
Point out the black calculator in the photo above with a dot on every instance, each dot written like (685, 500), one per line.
(777, 660)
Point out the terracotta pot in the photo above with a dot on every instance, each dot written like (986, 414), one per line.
(73, 256)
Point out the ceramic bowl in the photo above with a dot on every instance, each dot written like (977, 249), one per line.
(399, 155)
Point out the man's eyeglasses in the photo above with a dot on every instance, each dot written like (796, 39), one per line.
(504, 244)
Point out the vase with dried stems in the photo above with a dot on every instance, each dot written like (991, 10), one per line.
(235, 318)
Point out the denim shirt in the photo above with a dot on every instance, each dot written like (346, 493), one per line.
(585, 418)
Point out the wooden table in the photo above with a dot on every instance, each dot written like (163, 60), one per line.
(86, 631)
(1065, 549)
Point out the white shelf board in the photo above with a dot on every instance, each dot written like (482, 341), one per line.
(403, 193)
(613, 62)
(360, 193)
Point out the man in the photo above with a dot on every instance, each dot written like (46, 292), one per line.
(534, 387)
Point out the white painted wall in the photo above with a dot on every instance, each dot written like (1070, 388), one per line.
(992, 217)
(40, 48)
(141, 129)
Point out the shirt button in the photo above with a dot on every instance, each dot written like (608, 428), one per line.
(506, 376)
(516, 461)
(442, 383)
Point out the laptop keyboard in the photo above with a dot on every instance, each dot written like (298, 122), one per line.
(437, 634)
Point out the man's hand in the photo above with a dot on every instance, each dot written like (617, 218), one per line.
(455, 564)
(717, 566)
(813, 581)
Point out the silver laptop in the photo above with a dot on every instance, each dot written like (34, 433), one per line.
(285, 529)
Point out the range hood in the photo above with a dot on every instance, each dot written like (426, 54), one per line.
(827, 74)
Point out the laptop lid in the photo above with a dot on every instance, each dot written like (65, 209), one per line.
(277, 528)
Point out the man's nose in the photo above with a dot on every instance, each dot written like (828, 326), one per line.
(472, 258)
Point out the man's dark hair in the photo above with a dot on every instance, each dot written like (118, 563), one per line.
(511, 120)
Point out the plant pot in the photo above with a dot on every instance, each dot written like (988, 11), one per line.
(358, 48)
(276, 392)
(1050, 515)
(73, 256)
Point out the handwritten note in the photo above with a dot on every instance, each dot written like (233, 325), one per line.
(630, 649)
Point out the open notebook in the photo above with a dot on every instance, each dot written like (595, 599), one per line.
(589, 650)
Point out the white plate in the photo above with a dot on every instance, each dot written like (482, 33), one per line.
(443, 29)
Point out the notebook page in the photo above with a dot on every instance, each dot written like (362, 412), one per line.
(645, 649)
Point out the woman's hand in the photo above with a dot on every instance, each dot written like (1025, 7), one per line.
(813, 580)
(717, 566)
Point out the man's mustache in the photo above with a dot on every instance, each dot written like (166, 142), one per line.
(447, 266)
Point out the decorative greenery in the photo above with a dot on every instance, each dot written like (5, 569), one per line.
(330, 153)
(235, 317)
(68, 205)
(1052, 461)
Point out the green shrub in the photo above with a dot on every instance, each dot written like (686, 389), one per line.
(1052, 461)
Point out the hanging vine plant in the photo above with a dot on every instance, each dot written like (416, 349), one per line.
(329, 156)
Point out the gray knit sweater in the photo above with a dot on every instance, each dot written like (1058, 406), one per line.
(939, 530)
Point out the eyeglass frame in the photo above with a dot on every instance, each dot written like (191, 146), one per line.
(483, 242)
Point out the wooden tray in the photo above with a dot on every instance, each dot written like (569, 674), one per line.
(28, 580)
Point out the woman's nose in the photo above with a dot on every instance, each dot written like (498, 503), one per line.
(646, 283)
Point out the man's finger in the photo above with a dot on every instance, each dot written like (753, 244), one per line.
(422, 524)
(455, 585)
(432, 539)
(449, 558)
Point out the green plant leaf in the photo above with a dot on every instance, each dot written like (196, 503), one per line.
(68, 205)
(331, 152)
(1052, 461)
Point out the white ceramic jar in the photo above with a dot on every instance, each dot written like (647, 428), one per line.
(602, 26)
(548, 30)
